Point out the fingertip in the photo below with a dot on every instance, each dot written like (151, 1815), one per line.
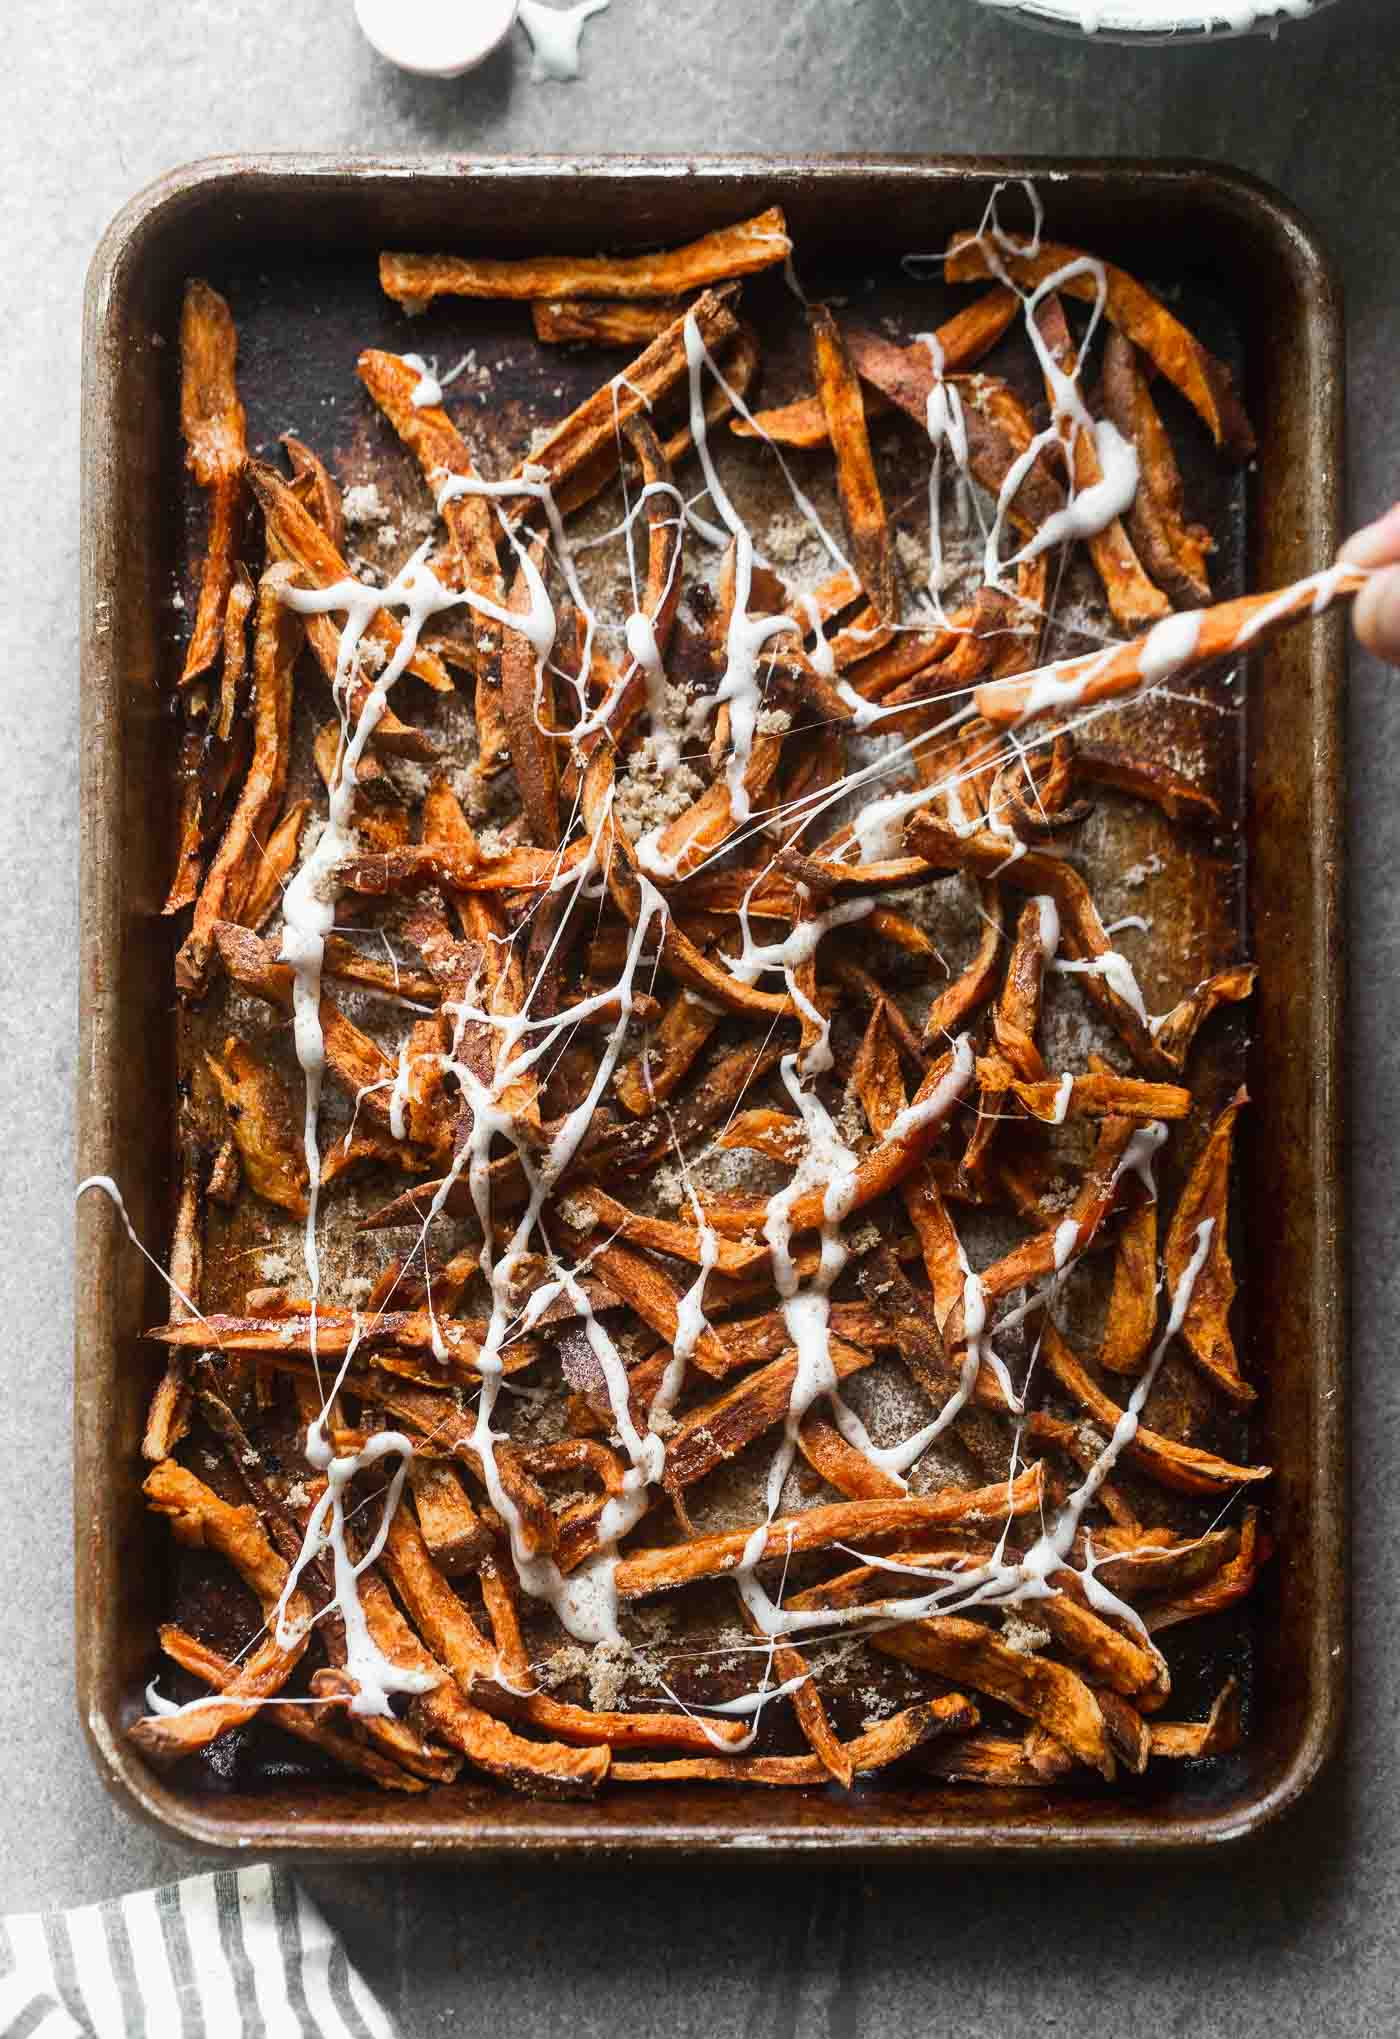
(1376, 615)
(1375, 544)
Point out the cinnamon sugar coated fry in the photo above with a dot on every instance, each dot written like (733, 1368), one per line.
(695, 1256)
(739, 250)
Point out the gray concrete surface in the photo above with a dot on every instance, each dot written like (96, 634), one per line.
(1299, 1935)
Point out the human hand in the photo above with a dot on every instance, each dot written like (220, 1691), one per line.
(1376, 613)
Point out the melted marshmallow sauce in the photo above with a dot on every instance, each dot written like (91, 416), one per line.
(555, 34)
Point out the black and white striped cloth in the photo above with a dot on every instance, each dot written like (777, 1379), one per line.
(238, 1954)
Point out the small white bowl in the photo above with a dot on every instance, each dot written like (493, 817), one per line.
(436, 38)
(1196, 20)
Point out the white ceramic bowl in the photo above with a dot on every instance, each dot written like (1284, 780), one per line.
(1198, 20)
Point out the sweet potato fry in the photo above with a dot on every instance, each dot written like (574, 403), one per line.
(656, 1234)
(276, 858)
(1173, 551)
(596, 1727)
(198, 1517)
(905, 934)
(192, 830)
(1093, 1096)
(453, 1532)
(906, 377)
(875, 1749)
(1102, 764)
(1217, 1735)
(441, 1618)
(1016, 1014)
(1046, 1693)
(776, 1134)
(1230, 1583)
(875, 673)
(453, 866)
(877, 1171)
(443, 456)
(665, 533)
(1132, 1303)
(1187, 646)
(1128, 1732)
(875, 1074)
(351, 964)
(995, 1760)
(241, 597)
(295, 536)
(656, 1298)
(602, 323)
(216, 452)
(685, 843)
(1178, 1564)
(1031, 791)
(1178, 1030)
(266, 1126)
(752, 244)
(687, 1022)
(947, 1550)
(1117, 1661)
(168, 1417)
(314, 489)
(1204, 382)
(1082, 936)
(706, 1557)
(406, 1331)
(751, 1340)
(801, 423)
(528, 705)
(224, 892)
(548, 1769)
(738, 360)
(714, 1431)
(850, 1472)
(861, 502)
(962, 341)
(835, 1756)
(974, 987)
(351, 1056)
(1134, 599)
(1205, 1330)
(972, 332)
(581, 453)
(300, 1721)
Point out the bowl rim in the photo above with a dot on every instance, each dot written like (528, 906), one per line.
(1030, 14)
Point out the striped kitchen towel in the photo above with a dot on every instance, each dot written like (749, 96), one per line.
(239, 1954)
